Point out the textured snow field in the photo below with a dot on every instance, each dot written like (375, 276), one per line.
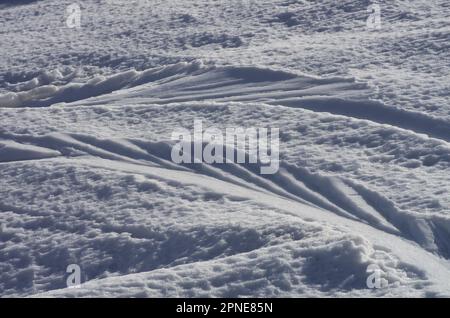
(86, 177)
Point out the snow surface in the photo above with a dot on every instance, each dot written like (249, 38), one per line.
(86, 177)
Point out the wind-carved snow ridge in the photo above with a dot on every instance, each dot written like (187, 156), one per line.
(89, 165)
(47, 95)
(340, 196)
(185, 82)
(87, 181)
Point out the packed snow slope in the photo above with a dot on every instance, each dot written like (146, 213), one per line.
(86, 176)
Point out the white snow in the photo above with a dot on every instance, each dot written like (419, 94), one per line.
(86, 176)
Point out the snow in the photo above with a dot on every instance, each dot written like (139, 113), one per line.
(87, 178)
(13, 151)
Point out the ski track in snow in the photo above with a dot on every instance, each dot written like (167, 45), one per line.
(87, 178)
